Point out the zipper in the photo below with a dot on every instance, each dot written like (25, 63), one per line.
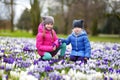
(76, 45)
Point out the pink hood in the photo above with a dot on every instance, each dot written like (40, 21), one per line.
(45, 44)
(40, 27)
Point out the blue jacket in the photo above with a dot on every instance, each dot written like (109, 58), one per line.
(80, 44)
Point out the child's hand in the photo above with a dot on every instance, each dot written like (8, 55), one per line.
(60, 41)
(85, 58)
(54, 48)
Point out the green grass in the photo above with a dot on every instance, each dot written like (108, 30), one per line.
(19, 33)
(104, 39)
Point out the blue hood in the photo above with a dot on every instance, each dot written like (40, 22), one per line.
(83, 33)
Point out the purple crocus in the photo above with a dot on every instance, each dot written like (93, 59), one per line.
(63, 61)
(48, 68)
(111, 78)
(2, 67)
(26, 48)
(114, 47)
(37, 75)
(35, 62)
(105, 78)
(52, 61)
(107, 48)
(9, 60)
(111, 70)
(118, 71)
(2, 51)
(54, 76)
(98, 62)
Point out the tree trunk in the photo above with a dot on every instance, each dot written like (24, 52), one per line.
(12, 16)
(35, 14)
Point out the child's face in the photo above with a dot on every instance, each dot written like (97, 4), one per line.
(77, 30)
(49, 26)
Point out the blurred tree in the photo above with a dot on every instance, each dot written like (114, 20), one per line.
(35, 15)
(112, 21)
(99, 9)
(4, 17)
(112, 24)
(55, 11)
(12, 15)
(94, 27)
(91, 11)
(63, 16)
(66, 14)
(10, 4)
(24, 22)
(88, 10)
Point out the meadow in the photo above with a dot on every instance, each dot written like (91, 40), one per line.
(18, 33)
(19, 60)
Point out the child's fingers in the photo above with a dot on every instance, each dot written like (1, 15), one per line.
(85, 58)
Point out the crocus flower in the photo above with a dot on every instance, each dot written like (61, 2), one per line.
(111, 70)
(48, 68)
(4, 77)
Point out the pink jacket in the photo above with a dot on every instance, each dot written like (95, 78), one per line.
(45, 44)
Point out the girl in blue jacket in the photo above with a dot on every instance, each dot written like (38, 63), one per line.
(81, 48)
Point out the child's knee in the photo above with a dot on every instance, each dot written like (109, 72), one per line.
(47, 56)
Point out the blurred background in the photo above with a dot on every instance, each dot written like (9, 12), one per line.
(100, 16)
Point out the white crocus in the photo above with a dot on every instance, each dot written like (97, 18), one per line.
(4, 77)
(1, 53)
(91, 71)
(1, 72)
(118, 76)
(66, 77)
(63, 72)
(98, 75)
(30, 77)
(90, 77)
(13, 65)
(114, 76)
(23, 75)
(2, 64)
(31, 68)
(14, 74)
(92, 65)
(9, 66)
(71, 72)
(80, 76)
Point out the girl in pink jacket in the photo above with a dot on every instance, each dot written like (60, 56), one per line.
(47, 42)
